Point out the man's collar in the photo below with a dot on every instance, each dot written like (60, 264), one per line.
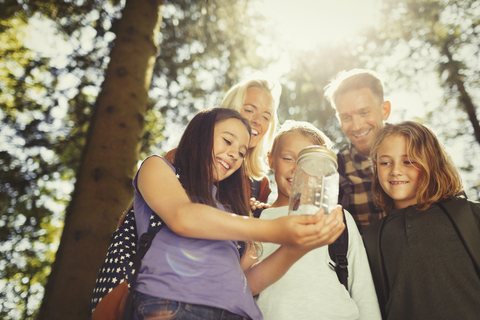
(357, 156)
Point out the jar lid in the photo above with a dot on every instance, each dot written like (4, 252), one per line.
(318, 150)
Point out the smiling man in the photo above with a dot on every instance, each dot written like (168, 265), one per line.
(357, 96)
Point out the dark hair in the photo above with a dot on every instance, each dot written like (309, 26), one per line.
(439, 179)
(194, 160)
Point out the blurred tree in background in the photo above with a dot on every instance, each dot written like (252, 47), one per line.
(441, 38)
(303, 90)
(107, 163)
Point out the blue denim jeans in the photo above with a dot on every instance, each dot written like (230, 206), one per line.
(152, 308)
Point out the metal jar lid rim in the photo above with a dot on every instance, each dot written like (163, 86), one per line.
(319, 150)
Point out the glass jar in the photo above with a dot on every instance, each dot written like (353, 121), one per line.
(315, 182)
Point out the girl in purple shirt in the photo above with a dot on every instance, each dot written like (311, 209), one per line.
(193, 269)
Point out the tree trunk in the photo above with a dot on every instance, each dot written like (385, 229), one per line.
(103, 188)
(464, 100)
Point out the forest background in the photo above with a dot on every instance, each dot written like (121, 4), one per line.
(90, 87)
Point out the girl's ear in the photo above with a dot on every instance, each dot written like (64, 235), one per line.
(270, 160)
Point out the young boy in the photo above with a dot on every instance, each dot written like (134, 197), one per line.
(310, 289)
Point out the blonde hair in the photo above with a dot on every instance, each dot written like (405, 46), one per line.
(354, 80)
(439, 178)
(305, 128)
(255, 159)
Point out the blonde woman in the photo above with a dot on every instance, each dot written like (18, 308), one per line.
(256, 99)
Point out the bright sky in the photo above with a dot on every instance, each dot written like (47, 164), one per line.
(304, 23)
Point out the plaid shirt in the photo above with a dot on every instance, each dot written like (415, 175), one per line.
(356, 196)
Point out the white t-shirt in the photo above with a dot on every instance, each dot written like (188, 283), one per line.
(311, 289)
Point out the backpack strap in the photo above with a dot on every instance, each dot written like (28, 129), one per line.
(344, 192)
(144, 243)
(460, 213)
(372, 238)
(345, 189)
(255, 190)
(255, 186)
(338, 254)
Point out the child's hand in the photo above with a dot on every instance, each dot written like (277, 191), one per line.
(334, 222)
(310, 232)
(255, 204)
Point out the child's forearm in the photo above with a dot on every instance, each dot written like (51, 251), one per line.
(268, 271)
(170, 201)
(204, 222)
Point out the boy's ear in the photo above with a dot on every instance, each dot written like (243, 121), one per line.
(270, 160)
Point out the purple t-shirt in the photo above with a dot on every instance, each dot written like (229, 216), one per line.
(197, 271)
